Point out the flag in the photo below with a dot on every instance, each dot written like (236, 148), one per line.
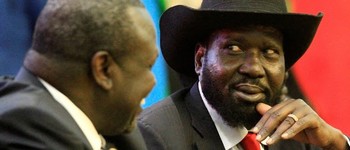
(160, 69)
(161, 89)
(323, 72)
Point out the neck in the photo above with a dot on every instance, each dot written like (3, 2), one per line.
(66, 77)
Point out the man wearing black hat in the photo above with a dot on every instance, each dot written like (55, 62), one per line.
(239, 51)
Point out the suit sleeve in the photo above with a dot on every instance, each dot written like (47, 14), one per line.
(31, 128)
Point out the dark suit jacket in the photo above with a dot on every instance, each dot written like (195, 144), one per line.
(181, 122)
(30, 118)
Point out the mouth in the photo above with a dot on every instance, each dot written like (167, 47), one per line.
(249, 92)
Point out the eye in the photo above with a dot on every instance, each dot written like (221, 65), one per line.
(271, 53)
(234, 49)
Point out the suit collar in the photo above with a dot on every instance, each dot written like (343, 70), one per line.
(208, 137)
(25, 76)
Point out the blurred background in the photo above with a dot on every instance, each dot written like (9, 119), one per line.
(321, 76)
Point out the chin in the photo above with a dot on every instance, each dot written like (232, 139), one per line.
(238, 114)
(130, 126)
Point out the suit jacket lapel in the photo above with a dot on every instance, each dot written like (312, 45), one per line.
(25, 76)
(206, 135)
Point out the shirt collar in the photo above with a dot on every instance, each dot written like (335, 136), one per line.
(230, 136)
(79, 117)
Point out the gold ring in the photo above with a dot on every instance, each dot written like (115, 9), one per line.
(294, 117)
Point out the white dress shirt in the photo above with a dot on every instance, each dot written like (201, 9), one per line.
(79, 117)
(230, 136)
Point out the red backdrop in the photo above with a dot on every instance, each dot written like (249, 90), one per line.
(324, 71)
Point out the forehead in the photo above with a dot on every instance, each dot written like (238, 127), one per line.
(143, 41)
(141, 21)
(142, 29)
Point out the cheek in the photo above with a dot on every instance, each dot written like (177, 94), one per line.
(143, 84)
(218, 77)
(277, 77)
(224, 74)
(216, 72)
(221, 68)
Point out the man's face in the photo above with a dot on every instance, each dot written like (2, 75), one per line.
(240, 68)
(136, 79)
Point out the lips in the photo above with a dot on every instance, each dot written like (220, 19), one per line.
(249, 92)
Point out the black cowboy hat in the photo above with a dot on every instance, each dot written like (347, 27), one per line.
(182, 27)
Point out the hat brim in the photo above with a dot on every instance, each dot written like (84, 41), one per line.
(182, 27)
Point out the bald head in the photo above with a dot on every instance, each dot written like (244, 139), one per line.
(73, 30)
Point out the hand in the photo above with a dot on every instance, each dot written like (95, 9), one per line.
(307, 128)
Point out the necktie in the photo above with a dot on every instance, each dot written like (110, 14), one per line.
(250, 143)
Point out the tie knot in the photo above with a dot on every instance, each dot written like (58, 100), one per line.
(249, 142)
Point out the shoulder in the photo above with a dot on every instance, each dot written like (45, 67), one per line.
(25, 103)
(22, 104)
(161, 124)
(18, 95)
(29, 112)
(164, 108)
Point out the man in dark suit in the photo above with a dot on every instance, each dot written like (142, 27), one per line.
(85, 76)
(239, 51)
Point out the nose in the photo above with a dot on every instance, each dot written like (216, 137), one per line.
(252, 66)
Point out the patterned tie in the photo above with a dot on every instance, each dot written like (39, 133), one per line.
(250, 143)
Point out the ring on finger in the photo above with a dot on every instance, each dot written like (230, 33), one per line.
(294, 117)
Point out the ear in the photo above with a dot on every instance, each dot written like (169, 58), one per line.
(199, 58)
(101, 64)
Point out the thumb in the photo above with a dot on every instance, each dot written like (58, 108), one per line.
(262, 108)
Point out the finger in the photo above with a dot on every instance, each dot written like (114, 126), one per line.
(286, 124)
(290, 120)
(303, 123)
(265, 110)
(296, 128)
(262, 108)
(273, 118)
